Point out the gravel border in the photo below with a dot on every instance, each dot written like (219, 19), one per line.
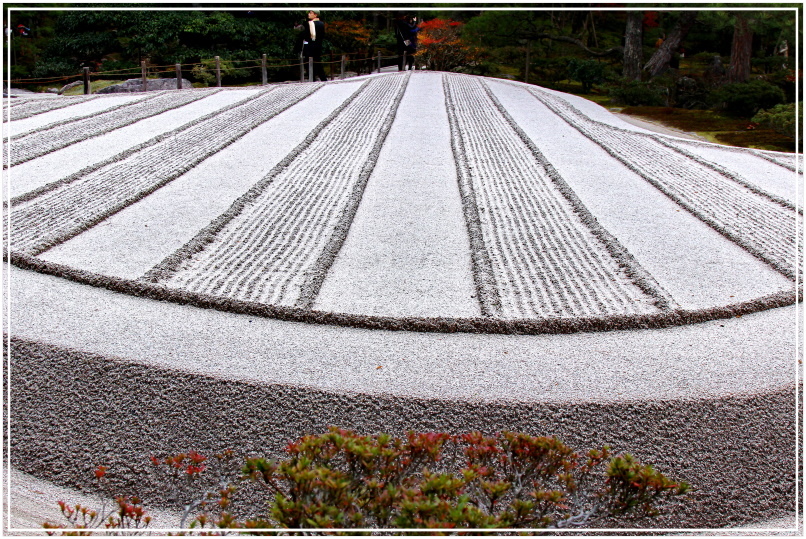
(138, 411)
(676, 317)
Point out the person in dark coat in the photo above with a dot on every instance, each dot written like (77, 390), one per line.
(406, 33)
(313, 34)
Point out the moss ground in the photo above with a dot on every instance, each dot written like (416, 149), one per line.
(716, 127)
(95, 85)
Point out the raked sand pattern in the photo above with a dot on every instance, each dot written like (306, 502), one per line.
(543, 265)
(540, 256)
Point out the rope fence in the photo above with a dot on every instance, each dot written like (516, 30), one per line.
(368, 64)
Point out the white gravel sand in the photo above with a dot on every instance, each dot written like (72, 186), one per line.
(131, 242)
(696, 265)
(93, 106)
(712, 359)
(406, 253)
(57, 165)
(30, 502)
(771, 177)
(711, 401)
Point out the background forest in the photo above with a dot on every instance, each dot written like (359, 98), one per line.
(714, 64)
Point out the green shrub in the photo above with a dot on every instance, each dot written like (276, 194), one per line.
(771, 64)
(54, 68)
(205, 71)
(425, 480)
(636, 93)
(690, 93)
(780, 118)
(543, 68)
(386, 41)
(705, 58)
(587, 72)
(747, 98)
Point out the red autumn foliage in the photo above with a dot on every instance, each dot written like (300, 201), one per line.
(423, 480)
(441, 46)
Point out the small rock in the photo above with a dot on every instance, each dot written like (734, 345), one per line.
(136, 85)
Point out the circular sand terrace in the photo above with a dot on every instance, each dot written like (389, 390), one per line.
(234, 268)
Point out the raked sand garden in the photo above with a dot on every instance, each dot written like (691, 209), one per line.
(234, 268)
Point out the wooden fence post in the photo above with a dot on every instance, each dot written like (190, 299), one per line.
(301, 68)
(263, 70)
(379, 61)
(178, 76)
(310, 68)
(87, 88)
(343, 61)
(218, 71)
(143, 74)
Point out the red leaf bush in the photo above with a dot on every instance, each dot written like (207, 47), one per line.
(341, 479)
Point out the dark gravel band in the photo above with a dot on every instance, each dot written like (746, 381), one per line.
(483, 274)
(676, 317)
(71, 411)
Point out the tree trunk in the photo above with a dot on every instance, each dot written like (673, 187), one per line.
(633, 44)
(659, 62)
(741, 50)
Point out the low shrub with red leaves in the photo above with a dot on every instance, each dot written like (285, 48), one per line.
(341, 479)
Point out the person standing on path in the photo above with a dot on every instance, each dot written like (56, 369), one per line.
(313, 34)
(406, 33)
